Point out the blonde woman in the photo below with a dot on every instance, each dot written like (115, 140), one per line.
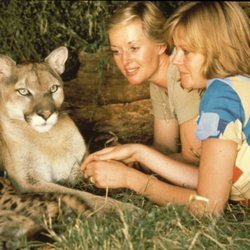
(139, 49)
(212, 51)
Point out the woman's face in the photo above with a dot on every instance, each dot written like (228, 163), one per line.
(136, 56)
(189, 65)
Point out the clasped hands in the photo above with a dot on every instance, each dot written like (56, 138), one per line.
(108, 167)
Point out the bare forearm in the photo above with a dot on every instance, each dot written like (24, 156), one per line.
(166, 136)
(177, 172)
(155, 190)
(179, 157)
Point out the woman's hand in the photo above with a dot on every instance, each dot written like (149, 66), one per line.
(124, 153)
(107, 174)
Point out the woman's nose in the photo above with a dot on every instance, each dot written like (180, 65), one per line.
(126, 57)
(177, 58)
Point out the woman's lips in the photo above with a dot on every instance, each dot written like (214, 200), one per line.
(131, 71)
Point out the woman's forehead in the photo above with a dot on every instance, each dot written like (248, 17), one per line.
(133, 25)
(179, 37)
(127, 33)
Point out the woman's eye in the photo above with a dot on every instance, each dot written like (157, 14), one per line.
(23, 92)
(134, 49)
(54, 88)
(115, 52)
(186, 52)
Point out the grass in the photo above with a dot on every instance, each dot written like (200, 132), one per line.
(168, 227)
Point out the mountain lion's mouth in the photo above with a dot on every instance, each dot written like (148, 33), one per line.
(41, 125)
(42, 128)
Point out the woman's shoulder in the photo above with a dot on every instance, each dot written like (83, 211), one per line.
(229, 91)
(220, 93)
(218, 83)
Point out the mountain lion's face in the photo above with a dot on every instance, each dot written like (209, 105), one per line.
(33, 93)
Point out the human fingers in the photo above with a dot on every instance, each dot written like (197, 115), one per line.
(89, 169)
(94, 156)
(91, 180)
(104, 174)
(120, 153)
(96, 172)
(104, 150)
(87, 161)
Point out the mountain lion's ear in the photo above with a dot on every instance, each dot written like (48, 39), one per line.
(57, 58)
(6, 66)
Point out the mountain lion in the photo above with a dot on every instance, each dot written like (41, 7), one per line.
(40, 146)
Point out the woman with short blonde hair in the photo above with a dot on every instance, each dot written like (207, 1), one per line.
(212, 35)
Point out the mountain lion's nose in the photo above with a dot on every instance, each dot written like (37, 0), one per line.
(45, 114)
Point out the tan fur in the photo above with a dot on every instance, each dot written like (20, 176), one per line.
(40, 146)
(28, 214)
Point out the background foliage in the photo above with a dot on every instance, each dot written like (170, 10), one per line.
(30, 29)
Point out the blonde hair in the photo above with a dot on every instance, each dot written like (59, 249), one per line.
(219, 31)
(148, 13)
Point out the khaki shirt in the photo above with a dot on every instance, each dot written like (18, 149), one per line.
(175, 102)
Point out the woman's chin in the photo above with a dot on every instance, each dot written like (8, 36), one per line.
(134, 82)
(186, 87)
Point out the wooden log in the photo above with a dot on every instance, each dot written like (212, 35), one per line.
(104, 104)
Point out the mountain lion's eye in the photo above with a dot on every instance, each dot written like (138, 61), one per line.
(23, 92)
(54, 88)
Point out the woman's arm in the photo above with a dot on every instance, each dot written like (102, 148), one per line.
(216, 171)
(114, 174)
(214, 175)
(177, 141)
(158, 191)
(166, 136)
(174, 171)
(190, 145)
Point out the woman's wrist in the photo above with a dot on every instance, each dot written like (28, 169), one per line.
(143, 154)
(136, 180)
(139, 152)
